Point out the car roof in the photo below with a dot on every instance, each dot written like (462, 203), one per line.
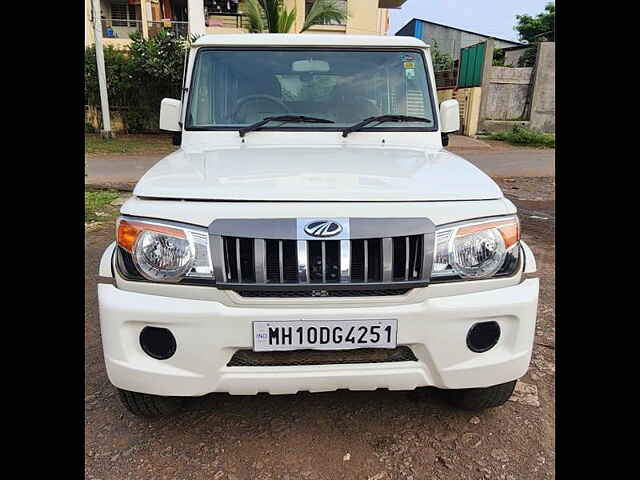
(320, 40)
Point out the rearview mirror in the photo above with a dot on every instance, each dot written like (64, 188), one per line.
(449, 116)
(170, 114)
(310, 66)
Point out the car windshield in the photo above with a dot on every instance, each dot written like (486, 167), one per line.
(235, 88)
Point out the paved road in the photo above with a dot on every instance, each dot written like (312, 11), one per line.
(118, 170)
(123, 171)
(512, 163)
(340, 435)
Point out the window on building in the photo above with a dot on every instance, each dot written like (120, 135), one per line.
(342, 4)
(123, 14)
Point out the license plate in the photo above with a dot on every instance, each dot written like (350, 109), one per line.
(324, 335)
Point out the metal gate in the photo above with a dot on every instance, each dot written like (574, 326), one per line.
(471, 64)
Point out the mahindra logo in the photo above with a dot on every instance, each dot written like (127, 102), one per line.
(323, 228)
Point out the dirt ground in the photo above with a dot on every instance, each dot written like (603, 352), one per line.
(379, 435)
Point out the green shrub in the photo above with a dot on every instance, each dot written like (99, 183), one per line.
(119, 77)
(138, 79)
(520, 135)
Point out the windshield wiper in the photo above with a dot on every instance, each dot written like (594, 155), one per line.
(383, 118)
(282, 118)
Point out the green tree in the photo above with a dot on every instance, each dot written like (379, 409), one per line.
(272, 15)
(138, 79)
(532, 30)
(441, 61)
(541, 28)
(498, 58)
(118, 73)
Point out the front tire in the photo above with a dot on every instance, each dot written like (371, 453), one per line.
(481, 398)
(149, 406)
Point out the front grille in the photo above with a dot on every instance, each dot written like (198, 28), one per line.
(249, 358)
(325, 261)
(274, 254)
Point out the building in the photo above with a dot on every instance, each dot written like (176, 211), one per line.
(449, 39)
(120, 18)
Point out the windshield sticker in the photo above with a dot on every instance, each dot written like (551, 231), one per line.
(409, 65)
(408, 58)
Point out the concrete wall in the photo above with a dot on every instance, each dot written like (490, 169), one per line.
(511, 57)
(507, 93)
(543, 102)
(522, 96)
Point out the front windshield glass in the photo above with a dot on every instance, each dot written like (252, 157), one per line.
(235, 88)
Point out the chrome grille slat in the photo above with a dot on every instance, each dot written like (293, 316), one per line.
(407, 255)
(218, 257)
(366, 261)
(324, 262)
(427, 260)
(345, 260)
(303, 262)
(260, 254)
(281, 261)
(238, 263)
(387, 260)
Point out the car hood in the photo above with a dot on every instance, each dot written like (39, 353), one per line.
(342, 173)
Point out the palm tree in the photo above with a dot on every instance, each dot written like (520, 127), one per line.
(277, 19)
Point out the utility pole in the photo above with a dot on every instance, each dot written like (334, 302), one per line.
(102, 77)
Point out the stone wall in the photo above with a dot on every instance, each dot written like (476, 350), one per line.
(521, 94)
(543, 102)
(508, 91)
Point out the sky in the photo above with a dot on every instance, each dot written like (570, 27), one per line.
(491, 17)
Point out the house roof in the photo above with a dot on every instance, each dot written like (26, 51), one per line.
(288, 39)
(463, 30)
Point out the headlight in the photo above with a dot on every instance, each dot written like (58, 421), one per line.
(477, 250)
(164, 252)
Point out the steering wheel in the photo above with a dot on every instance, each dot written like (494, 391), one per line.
(257, 97)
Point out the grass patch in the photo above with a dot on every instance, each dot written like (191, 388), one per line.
(128, 145)
(524, 136)
(97, 205)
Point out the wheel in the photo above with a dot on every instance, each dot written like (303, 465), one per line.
(149, 406)
(481, 398)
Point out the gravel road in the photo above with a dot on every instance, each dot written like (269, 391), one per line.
(378, 435)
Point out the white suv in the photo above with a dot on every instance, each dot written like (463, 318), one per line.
(312, 234)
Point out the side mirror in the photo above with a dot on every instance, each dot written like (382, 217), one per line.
(449, 116)
(170, 114)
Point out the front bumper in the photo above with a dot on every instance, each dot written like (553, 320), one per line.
(209, 332)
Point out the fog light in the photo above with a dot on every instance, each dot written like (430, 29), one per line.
(158, 343)
(483, 336)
